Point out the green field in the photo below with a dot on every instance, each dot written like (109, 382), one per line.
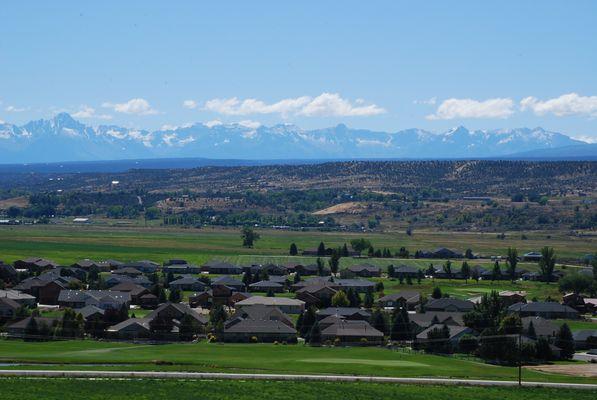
(67, 389)
(65, 244)
(263, 358)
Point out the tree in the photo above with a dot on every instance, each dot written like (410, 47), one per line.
(448, 269)
(270, 293)
(297, 277)
(565, 341)
(344, 252)
(531, 331)
(391, 270)
(577, 283)
(249, 236)
(188, 328)
(31, 329)
(354, 299)
(359, 245)
(543, 349)
(315, 334)
(465, 270)
(497, 272)
(334, 262)
(174, 296)
(321, 250)
(547, 263)
(438, 340)
(468, 344)
(247, 278)
(340, 299)
(378, 321)
(319, 266)
(512, 260)
(510, 325)
(293, 250)
(401, 328)
(437, 293)
(469, 254)
(369, 300)
(309, 317)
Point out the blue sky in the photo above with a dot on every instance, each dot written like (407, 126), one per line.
(378, 65)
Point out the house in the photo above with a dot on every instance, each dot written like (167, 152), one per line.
(441, 252)
(542, 327)
(221, 268)
(405, 298)
(266, 286)
(363, 271)
(91, 312)
(8, 273)
(585, 339)
(187, 283)
(8, 308)
(136, 291)
(85, 264)
(510, 297)
(349, 313)
(34, 264)
(259, 325)
(104, 299)
(114, 279)
(144, 266)
(406, 271)
(358, 285)
(306, 270)
(175, 311)
(591, 305)
(286, 305)
(351, 332)
(548, 310)
(257, 312)
(128, 271)
(148, 301)
(23, 299)
(132, 328)
(46, 287)
(181, 269)
(456, 332)
(18, 329)
(317, 295)
(574, 300)
(449, 304)
(202, 299)
(533, 256)
(422, 321)
(229, 281)
(270, 269)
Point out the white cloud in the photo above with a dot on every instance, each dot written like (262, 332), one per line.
(469, 108)
(136, 106)
(565, 105)
(586, 138)
(14, 109)
(324, 105)
(212, 123)
(190, 104)
(430, 102)
(247, 123)
(144, 138)
(89, 112)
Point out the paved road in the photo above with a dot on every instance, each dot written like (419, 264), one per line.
(281, 377)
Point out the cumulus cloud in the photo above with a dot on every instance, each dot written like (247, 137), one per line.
(14, 109)
(430, 102)
(190, 104)
(324, 105)
(565, 105)
(89, 112)
(247, 123)
(212, 123)
(470, 108)
(136, 106)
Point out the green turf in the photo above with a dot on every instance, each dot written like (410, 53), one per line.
(264, 358)
(67, 389)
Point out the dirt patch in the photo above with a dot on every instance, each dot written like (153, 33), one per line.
(20, 202)
(352, 207)
(586, 369)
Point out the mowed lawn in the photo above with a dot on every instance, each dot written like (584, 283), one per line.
(264, 358)
(67, 389)
(65, 244)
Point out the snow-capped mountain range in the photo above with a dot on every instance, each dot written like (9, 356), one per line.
(62, 138)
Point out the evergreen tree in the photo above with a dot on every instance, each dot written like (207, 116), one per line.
(334, 262)
(437, 293)
(378, 321)
(409, 280)
(308, 320)
(340, 299)
(512, 260)
(369, 300)
(391, 271)
(270, 293)
(320, 269)
(547, 263)
(31, 330)
(174, 296)
(448, 268)
(465, 270)
(293, 250)
(543, 350)
(297, 277)
(401, 327)
(497, 272)
(315, 334)
(565, 341)
(188, 328)
(344, 250)
(420, 276)
(321, 250)
(531, 331)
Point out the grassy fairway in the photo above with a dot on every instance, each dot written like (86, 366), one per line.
(66, 389)
(65, 244)
(258, 358)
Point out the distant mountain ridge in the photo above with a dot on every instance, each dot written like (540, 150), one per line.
(62, 138)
